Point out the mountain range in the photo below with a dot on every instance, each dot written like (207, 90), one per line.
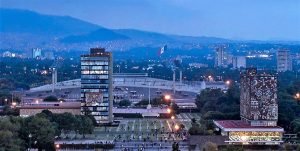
(24, 29)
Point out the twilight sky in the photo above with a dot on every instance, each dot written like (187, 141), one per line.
(234, 19)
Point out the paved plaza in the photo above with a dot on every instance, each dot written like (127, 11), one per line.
(142, 132)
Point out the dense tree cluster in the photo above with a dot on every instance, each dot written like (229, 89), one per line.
(40, 131)
(216, 104)
(289, 108)
(124, 103)
(50, 98)
(154, 102)
(201, 127)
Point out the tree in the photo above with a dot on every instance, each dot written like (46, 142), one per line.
(298, 148)
(7, 110)
(9, 140)
(209, 146)
(124, 103)
(50, 98)
(213, 115)
(175, 146)
(175, 108)
(217, 104)
(295, 126)
(84, 125)
(204, 127)
(196, 129)
(65, 121)
(41, 130)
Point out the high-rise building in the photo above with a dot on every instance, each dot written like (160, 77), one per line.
(96, 85)
(259, 112)
(220, 57)
(239, 62)
(36, 53)
(258, 98)
(284, 60)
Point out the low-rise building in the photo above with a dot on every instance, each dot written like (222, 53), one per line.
(30, 109)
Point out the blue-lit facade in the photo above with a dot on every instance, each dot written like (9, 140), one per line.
(96, 85)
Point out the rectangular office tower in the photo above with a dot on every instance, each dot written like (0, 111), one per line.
(239, 62)
(258, 98)
(220, 57)
(37, 53)
(96, 85)
(284, 61)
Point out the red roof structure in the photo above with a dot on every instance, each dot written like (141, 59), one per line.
(239, 125)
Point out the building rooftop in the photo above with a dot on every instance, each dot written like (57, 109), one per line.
(238, 125)
(51, 105)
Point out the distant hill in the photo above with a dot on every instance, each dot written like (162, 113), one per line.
(144, 35)
(24, 21)
(24, 28)
(101, 34)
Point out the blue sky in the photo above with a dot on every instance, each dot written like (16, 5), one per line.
(234, 19)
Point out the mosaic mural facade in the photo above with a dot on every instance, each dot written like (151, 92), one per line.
(259, 98)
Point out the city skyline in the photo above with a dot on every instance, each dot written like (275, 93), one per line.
(247, 20)
(128, 75)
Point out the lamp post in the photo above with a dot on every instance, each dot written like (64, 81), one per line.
(297, 97)
(167, 97)
(169, 110)
(57, 146)
(30, 136)
(228, 82)
(14, 104)
(176, 127)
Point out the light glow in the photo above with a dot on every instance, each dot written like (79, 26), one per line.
(167, 97)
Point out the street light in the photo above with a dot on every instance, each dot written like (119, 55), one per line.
(14, 103)
(172, 117)
(210, 78)
(169, 110)
(29, 141)
(176, 127)
(57, 146)
(297, 97)
(167, 97)
(228, 82)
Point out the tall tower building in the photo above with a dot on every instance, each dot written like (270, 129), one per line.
(96, 85)
(36, 53)
(284, 61)
(220, 57)
(258, 98)
(239, 62)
